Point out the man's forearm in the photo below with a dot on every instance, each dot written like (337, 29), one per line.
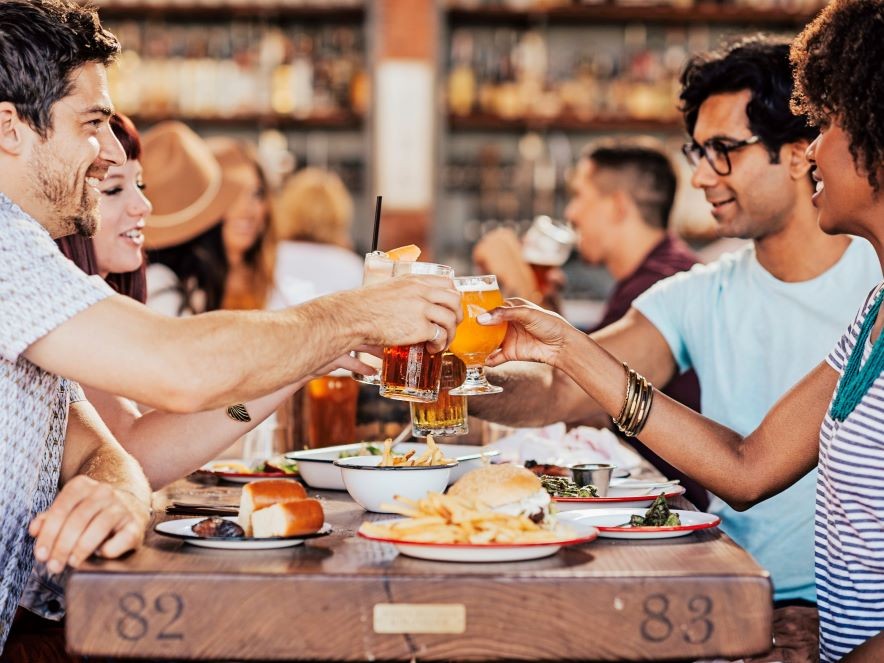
(283, 347)
(199, 363)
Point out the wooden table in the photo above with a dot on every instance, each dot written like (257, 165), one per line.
(345, 598)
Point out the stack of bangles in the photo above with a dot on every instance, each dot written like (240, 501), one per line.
(636, 406)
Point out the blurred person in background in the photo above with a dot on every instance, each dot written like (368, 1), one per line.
(314, 255)
(752, 323)
(832, 416)
(622, 193)
(68, 489)
(168, 446)
(210, 242)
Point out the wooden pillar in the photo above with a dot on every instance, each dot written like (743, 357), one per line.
(406, 34)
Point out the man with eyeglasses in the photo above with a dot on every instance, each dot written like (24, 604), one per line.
(750, 324)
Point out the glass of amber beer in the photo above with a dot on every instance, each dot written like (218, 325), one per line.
(547, 244)
(411, 372)
(474, 342)
(448, 415)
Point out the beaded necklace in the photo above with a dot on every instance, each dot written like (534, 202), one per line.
(855, 381)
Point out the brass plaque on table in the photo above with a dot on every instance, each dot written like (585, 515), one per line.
(413, 618)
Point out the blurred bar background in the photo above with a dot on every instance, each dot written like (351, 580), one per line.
(465, 115)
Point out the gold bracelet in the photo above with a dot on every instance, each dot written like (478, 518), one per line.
(642, 408)
(630, 403)
(637, 404)
(647, 412)
(629, 387)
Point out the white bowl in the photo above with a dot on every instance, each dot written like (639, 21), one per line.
(317, 468)
(374, 488)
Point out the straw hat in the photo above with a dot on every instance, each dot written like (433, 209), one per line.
(188, 188)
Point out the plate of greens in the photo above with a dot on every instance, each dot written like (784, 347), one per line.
(656, 522)
(568, 496)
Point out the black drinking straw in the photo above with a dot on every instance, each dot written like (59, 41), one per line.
(377, 224)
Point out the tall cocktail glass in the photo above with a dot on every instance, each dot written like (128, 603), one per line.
(377, 267)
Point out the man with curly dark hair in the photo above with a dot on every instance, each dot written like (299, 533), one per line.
(833, 416)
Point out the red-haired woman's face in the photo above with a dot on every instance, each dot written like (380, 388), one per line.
(123, 208)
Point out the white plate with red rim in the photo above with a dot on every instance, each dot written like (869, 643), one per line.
(611, 523)
(489, 552)
(182, 528)
(616, 497)
(236, 470)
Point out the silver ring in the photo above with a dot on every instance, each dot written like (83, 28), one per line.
(437, 334)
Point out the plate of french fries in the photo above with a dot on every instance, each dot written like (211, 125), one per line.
(452, 529)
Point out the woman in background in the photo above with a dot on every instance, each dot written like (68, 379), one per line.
(313, 217)
(210, 241)
(168, 446)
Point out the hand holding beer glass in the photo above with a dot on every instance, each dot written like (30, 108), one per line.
(474, 342)
(547, 244)
(378, 267)
(412, 372)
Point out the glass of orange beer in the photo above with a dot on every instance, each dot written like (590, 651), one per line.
(448, 414)
(411, 372)
(474, 342)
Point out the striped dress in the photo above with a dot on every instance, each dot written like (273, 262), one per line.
(849, 530)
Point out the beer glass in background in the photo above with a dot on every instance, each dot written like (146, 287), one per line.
(474, 342)
(330, 410)
(547, 244)
(377, 267)
(448, 414)
(411, 372)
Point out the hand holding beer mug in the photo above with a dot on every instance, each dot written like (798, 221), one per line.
(378, 267)
(448, 415)
(547, 244)
(474, 342)
(412, 372)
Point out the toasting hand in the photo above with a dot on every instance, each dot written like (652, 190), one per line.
(533, 334)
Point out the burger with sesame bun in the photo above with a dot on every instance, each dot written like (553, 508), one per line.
(506, 488)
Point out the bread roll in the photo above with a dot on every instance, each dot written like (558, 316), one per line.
(260, 494)
(288, 519)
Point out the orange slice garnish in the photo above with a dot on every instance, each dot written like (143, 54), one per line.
(408, 253)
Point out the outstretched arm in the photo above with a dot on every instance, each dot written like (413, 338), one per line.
(743, 471)
(224, 357)
(168, 445)
(554, 396)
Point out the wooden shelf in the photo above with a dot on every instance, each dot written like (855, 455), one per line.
(336, 122)
(486, 122)
(610, 13)
(227, 10)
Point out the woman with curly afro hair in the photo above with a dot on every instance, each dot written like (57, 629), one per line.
(834, 417)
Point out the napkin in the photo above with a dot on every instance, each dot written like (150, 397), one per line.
(556, 445)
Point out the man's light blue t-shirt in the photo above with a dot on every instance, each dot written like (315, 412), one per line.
(750, 337)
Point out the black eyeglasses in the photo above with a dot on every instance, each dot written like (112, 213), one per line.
(716, 152)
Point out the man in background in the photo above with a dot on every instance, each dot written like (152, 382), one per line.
(622, 193)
